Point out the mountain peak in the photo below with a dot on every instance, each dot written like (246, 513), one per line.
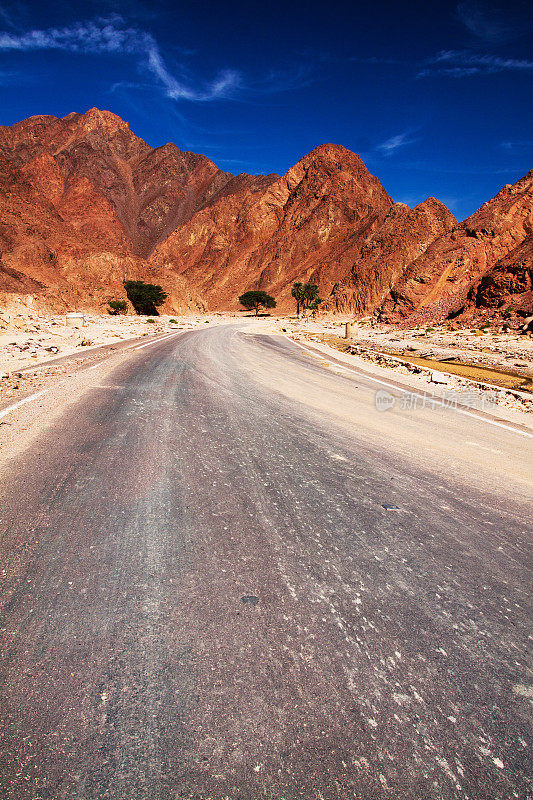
(103, 120)
(85, 183)
(335, 154)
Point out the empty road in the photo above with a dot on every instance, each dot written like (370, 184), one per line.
(205, 596)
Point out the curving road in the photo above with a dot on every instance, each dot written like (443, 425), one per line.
(204, 595)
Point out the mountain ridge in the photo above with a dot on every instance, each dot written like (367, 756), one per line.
(83, 200)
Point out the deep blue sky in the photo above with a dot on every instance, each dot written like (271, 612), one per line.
(435, 97)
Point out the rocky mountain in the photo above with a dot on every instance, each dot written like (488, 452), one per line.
(489, 249)
(88, 159)
(308, 225)
(382, 260)
(84, 203)
(64, 259)
(509, 284)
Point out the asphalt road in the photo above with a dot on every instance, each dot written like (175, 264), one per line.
(205, 597)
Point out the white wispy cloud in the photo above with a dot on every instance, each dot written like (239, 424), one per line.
(517, 146)
(111, 36)
(494, 22)
(394, 143)
(463, 63)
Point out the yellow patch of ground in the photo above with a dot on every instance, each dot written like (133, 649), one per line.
(508, 379)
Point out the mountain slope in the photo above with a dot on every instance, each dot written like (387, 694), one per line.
(85, 202)
(442, 280)
(510, 282)
(306, 225)
(151, 190)
(44, 255)
(404, 235)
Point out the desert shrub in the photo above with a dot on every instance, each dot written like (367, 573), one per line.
(117, 307)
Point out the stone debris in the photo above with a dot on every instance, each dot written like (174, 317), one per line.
(383, 345)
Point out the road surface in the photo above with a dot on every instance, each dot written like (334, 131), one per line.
(205, 595)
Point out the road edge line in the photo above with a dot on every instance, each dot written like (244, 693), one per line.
(416, 392)
(24, 400)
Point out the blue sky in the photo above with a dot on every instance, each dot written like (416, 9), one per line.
(435, 97)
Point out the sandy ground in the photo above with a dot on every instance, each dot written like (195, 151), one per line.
(383, 346)
(29, 341)
(495, 350)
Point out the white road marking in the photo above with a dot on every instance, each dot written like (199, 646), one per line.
(9, 409)
(162, 339)
(418, 394)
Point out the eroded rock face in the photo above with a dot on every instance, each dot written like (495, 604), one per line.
(84, 203)
(509, 284)
(404, 235)
(307, 225)
(443, 280)
(150, 190)
(67, 264)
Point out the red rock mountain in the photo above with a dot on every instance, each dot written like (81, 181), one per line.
(307, 225)
(510, 281)
(65, 265)
(94, 157)
(382, 260)
(84, 202)
(486, 257)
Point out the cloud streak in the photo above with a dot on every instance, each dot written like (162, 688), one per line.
(394, 143)
(110, 36)
(493, 23)
(463, 63)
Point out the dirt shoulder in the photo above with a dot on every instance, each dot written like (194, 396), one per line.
(38, 348)
(491, 371)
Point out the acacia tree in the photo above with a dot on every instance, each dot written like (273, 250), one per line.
(145, 297)
(255, 299)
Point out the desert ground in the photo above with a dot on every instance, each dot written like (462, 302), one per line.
(33, 346)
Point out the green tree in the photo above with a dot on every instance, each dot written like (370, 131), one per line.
(145, 297)
(297, 292)
(311, 298)
(314, 305)
(256, 299)
(117, 307)
(306, 296)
